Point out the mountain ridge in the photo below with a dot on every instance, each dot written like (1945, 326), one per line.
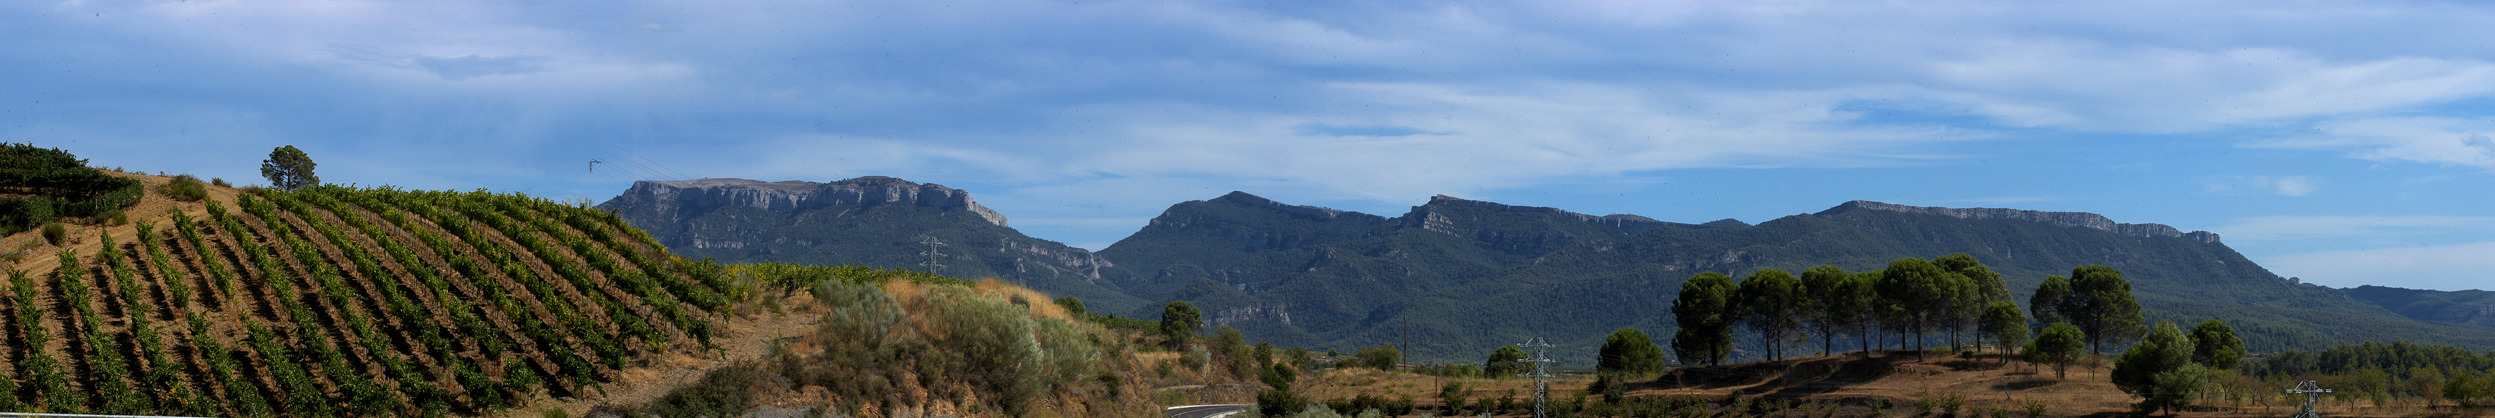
(2078, 219)
(1468, 272)
(873, 221)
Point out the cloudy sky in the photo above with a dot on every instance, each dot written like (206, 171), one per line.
(2345, 143)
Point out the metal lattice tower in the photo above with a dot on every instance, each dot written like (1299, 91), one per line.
(931, 253)
(2310, 390)
(1541, 370)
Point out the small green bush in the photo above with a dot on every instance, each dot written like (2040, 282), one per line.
(725, 392)
(186, 188)
(1277, 403)
(2036, 408)
(54, 233)
(116, 218)
(220, 182)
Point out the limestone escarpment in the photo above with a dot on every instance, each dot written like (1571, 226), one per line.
(870, 221)
(793, 195)
(2077, 219)
(1433, 221)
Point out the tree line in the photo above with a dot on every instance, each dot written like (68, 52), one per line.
(1954, 296)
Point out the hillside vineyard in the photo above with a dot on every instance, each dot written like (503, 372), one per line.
(339, 301)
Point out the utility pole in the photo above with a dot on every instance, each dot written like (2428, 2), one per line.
(1541, 370)
(1407, 339)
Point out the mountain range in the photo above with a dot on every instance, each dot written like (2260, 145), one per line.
(1457, 277)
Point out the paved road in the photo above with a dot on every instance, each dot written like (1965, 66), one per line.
(1203, 411)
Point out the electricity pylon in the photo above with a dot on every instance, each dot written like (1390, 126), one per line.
(1541, 370)
(2310, 390)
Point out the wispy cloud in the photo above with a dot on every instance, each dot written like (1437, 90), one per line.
(2261, 228)
(2259, 185)
(2440, 140)
(2451, 267)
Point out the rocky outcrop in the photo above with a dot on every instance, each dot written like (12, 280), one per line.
(1433, 221)
(1063, 260)
(1303, 211)
(1275, 312)
(2077, 219)
(675, 196)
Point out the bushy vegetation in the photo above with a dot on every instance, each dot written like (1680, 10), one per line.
(186, 188)
(895, 340)
(38, 185)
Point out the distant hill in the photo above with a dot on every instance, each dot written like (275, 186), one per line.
(1470, 275)
(2471, 307)
(871, 221)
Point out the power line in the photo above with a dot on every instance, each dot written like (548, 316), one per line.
(661, 167)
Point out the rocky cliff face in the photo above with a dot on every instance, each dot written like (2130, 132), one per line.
(676, 196)
(1434, 221)
(872, 221)
(2078, 219)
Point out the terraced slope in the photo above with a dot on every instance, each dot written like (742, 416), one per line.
(337, 301)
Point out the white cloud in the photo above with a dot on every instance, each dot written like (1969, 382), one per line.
(2453, 267)
(2259, 185)
(2424, 139)
(2275, 228)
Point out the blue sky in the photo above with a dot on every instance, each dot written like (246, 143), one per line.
(2342, 142)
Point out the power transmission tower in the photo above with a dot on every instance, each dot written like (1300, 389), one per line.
(1541, 370)
(932, 252)
(2310, 390)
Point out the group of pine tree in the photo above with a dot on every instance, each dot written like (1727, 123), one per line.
(1912, 298)
(1955, 295)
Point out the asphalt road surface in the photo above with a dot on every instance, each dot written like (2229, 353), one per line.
(1203, 411)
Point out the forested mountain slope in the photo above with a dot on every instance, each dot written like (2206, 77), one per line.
(2472, 307)
(1468, 275)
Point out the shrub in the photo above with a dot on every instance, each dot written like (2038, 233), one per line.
(116, 218)
(220, 182)
(1381, 357)
(1278, 402)
(724, 392)
(186, 188)
(2036, 409)
(54, 233)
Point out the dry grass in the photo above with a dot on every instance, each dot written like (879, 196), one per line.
(1855, 384)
